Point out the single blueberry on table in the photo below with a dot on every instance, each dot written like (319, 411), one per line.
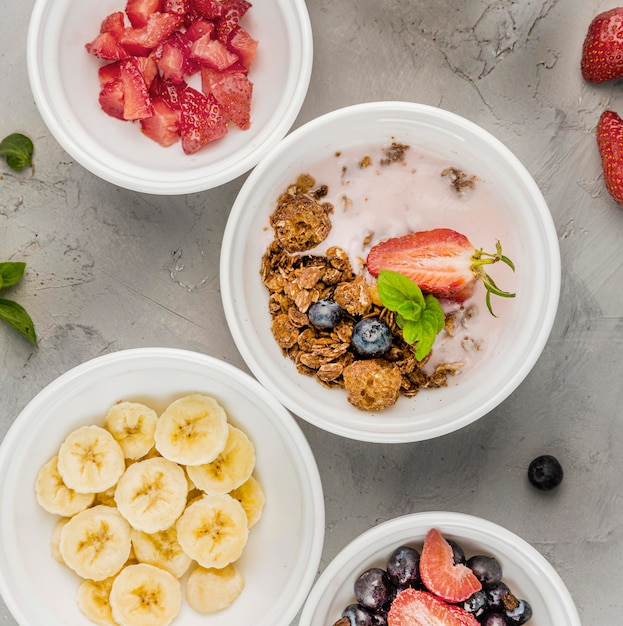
(545, 472)
(325, 314)
(371, 337)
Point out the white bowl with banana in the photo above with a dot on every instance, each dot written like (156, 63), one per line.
(153, 487)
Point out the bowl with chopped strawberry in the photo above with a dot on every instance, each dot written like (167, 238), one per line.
(442, 568)
(390, 271)
(169, 96)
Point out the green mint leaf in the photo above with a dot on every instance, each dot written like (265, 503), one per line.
(434, 310)
(410, 310)
(427, 337)
(11, 273)
(412, 332)
(16, 316)
(395, 289)
(17, 149)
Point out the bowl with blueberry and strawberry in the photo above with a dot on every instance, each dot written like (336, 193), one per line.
(169, 96)
(390, 271)
(440, 568)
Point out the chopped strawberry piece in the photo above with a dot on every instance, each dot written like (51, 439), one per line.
(212, 53)
(202, 120)
(138, 11)
(136, 100)
(233, 91)
(168, 91)
(230, 18)
(242, 44)
(412, 607)
(174, 56)
(148, 67)
(450, 581)
(141, 41)
(114, 24)
(163, 125)
(179, 7)
(199, 28)
(208, 9)
(106, 47)
(111, 98)
(109, 73)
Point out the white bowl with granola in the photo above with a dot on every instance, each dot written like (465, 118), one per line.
(97, 449)
(390, 272)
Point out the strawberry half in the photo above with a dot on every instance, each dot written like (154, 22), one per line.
(440, 261)
(451, 582)
(602, 52)
(610, 144)
(420, 608)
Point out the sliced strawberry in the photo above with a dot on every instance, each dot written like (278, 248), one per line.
(199, 28)
(163, 125)
(174, 56)
(242, 44)
(141, 41)
(452, 582)
(114, 24)
(202, 120)
(136, 100)
(233, 91)
(111, 98)
(212, 53)
(230, 18)
(138, 11)
(412, 607)
(208, 9)
(106, 47)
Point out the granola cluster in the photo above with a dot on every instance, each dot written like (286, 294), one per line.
(296, 280)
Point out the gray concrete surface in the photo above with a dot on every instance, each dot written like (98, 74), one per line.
(110, 269)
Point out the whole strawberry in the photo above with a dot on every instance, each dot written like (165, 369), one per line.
(602, 53)
(610, 143)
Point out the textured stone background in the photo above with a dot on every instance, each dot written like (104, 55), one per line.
(110, 269)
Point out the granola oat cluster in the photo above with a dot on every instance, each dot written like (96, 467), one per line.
(296, 280)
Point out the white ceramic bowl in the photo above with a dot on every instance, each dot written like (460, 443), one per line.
(527, 319)
(64, 82)
(281, 558)
(528, 574)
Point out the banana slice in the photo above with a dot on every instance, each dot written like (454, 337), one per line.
(230, 468)
(106, 497)
(210, 590)
(192, 430)
(151, 494)
(144, 595)
(133, 426)
(161, 549)
(54, 495)
(96, 543)
(90, 460)
(93, 601)
(251, 495)
(55, 540)
(213, 530)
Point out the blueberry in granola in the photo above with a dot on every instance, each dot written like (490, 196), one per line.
(325, 313)
(371, 337)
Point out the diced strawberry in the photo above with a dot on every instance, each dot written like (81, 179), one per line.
(168, 91)
(242, 44)
(230, 18)
(114, 24)
(163, 125)
(174, 56)
(179, 7)
(136, 100)
(450, 581)
(208, 9)
(138, 11)
(148, 68)
(212, 53)
(233, 91)
(202, 120)
(109, 73)
(199, 28)
(412, 607)
(111, 98)
(141, 41)
(106, 47)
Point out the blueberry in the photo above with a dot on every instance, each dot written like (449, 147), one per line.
(371, 337)
(458, 555)
(493, 618)
(403, 567)
(545, 472)
(476, 603)
(357, 615)
(486, 569)
(325, 314)
(496, 595)
(519, 612)
(373, 588)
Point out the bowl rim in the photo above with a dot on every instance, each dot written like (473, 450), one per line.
(303, 452)
(244, 199)
(452, 523)
(194, 180)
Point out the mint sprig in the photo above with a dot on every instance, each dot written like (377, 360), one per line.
(420, 317)
(11, 312)
(17, 149)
